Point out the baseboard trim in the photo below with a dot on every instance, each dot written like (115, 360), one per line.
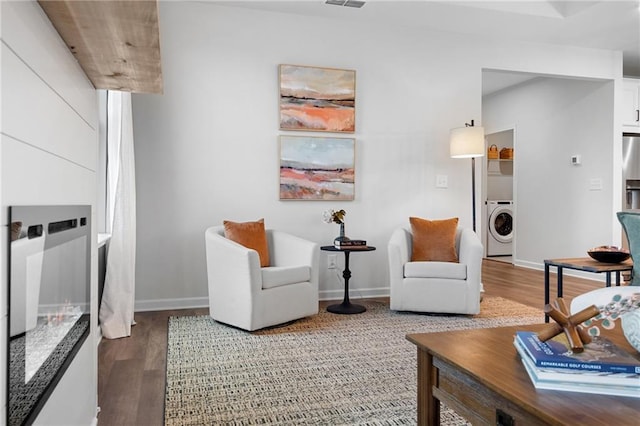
(324, 295)
(170, 304)
(601, 277)
(355, 293)
(203, 302)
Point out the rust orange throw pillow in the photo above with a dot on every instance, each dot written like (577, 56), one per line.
(434, 240)
(251, 235)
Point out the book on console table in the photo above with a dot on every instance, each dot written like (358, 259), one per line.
(601, 355)
(576, 378)
(350, 244)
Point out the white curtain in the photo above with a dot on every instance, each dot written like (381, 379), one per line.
(118, 297)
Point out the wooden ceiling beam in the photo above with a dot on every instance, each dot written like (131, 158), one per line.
(117, 43)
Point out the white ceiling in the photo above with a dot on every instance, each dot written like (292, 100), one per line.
(610, 24)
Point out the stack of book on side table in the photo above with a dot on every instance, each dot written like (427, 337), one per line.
(350, 244)
(602, 368)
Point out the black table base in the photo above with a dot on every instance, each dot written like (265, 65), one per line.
(346, 308)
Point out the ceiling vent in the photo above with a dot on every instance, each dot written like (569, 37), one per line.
(348, 3)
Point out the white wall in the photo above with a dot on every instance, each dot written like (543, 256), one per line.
(207, 150)
(48, 155)
(556, 213)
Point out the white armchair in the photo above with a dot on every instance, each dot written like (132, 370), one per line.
(244, 295)
(438, 287)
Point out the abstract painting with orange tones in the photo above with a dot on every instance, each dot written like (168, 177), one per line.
(313, 168)
(317, 99)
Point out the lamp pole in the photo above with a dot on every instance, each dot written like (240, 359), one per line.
(473, 191)
(468, 142)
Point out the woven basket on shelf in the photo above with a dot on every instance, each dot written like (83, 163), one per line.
(492, 153)
(506, 153)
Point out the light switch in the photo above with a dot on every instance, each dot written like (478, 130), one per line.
(595, 184)
(442, 181)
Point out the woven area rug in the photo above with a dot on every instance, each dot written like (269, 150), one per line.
(324, 370)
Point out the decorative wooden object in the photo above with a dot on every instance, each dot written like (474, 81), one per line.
(570, 324)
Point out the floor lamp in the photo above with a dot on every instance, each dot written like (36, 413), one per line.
(468, 142)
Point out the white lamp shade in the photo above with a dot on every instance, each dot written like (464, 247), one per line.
(467, 142)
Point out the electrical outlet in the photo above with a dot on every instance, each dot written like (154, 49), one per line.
(442, 181)
(332, 261)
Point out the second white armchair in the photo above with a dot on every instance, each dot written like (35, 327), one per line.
(437, 287)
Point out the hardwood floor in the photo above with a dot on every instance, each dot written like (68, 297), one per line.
(131, 371)
(527, 285)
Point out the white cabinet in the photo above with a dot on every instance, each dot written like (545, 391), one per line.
(631, 104)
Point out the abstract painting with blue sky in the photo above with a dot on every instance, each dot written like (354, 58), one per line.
(317, 168)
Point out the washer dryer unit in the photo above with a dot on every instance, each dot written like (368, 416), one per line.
(500, 229)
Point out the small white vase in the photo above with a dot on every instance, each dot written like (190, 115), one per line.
(631, 328)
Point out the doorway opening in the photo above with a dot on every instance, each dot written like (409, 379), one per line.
(499, 215)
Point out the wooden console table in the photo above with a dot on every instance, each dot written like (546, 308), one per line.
(581, 264)
(478, 373)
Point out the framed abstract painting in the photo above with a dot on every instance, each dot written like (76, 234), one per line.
(317, 168)
(317, 99)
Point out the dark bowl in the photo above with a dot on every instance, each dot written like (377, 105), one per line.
(609, 254)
